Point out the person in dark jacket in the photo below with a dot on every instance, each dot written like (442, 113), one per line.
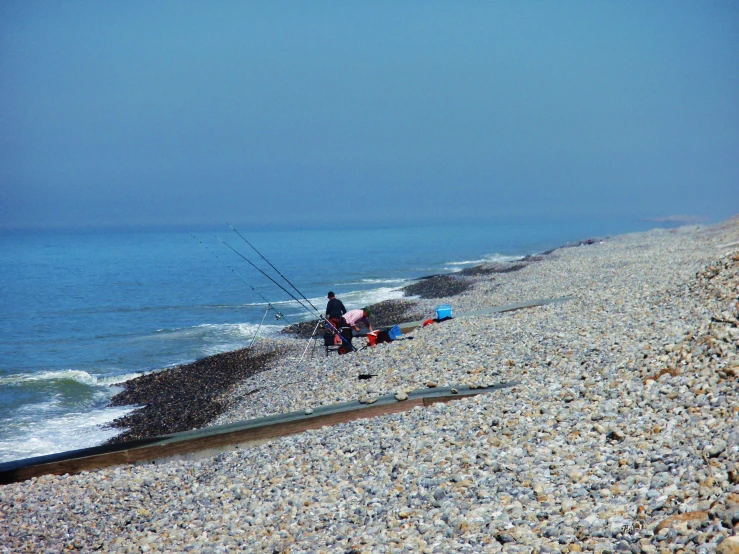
(335, 308)
(335, 311)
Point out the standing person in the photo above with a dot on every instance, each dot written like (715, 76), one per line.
(335, 308)
(335, 311)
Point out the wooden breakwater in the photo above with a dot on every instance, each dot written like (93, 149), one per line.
(240, 433)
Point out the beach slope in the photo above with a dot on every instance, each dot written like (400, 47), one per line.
(622, 434)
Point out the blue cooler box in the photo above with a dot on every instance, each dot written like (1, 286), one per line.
(394, 332)
(443, 310)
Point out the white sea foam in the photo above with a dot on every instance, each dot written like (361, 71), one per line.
(119, 379)
(376, 282)
(360, 298)
(493, 258)
(61, 375)
(265, 304)
(274, 303)
(352, 300)
(243, 329)
(227, 337)
(78, 375)
(68, 432)
(211, 331)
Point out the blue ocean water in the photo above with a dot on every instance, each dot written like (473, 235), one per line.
(82, 311)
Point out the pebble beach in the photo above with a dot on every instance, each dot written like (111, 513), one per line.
(620, 435)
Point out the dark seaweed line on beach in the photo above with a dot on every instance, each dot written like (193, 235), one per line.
(186, 397)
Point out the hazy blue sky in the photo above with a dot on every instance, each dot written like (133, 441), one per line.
(324, 112)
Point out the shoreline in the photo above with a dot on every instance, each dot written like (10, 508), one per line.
(187, 396)
(440, 285)
(193, 395)
(620, 436)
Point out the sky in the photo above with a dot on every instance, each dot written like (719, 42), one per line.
(365, 113)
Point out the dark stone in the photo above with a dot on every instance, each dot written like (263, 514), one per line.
(504, 538)
(491, 269)
(438, 286)
(304, 329)
(391, 312)
(541, 255)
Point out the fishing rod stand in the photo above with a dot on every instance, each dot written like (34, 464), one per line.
(312, 337)
(251, 346)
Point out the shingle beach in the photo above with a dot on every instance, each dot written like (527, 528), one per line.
(622, 434)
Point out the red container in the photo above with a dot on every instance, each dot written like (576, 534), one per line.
(372, 338)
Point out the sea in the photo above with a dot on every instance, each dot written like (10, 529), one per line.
(82, 311)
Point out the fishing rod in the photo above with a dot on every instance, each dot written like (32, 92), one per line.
(268, 277)
(273, 267)
(317, 313)
(279, 314)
